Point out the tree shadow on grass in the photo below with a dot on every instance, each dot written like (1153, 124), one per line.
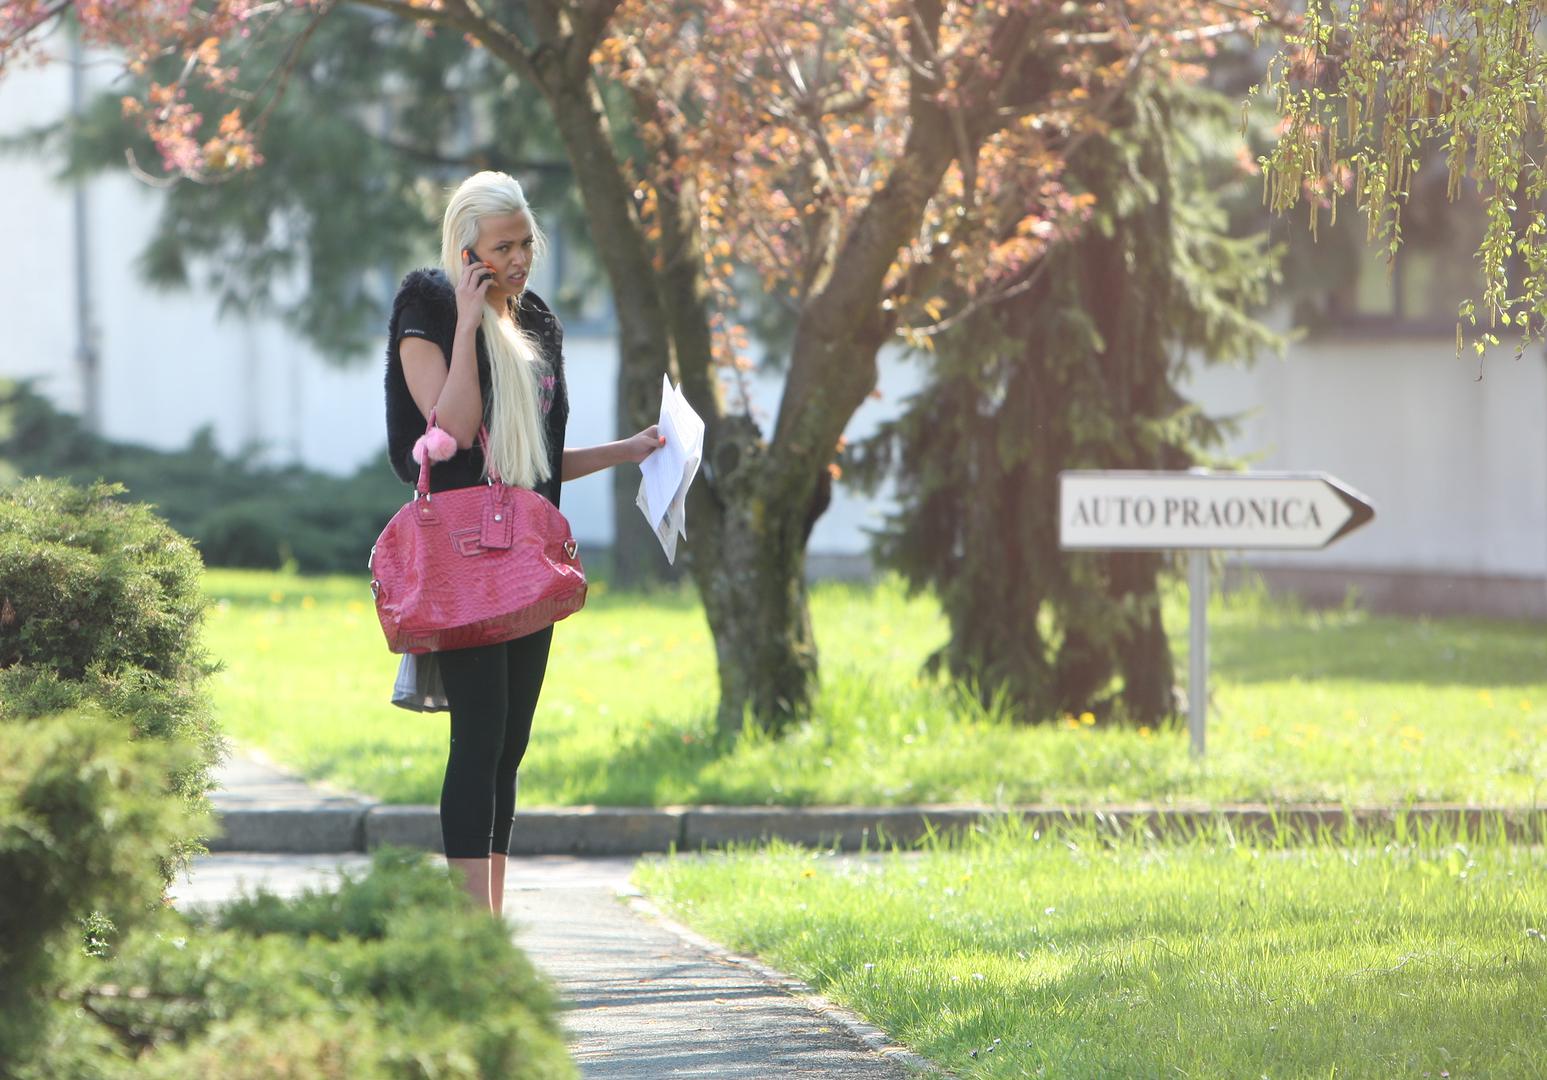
(650, 768)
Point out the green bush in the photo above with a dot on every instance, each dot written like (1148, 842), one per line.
(100, 602)
(392, 976)
(84, 817)
(239, 514)
(109, 742)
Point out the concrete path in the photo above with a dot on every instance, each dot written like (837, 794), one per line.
(646, 1000)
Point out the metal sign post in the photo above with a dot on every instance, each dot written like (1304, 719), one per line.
(1198, 647)
(1201, 511)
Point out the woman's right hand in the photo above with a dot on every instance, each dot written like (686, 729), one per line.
(470, 295)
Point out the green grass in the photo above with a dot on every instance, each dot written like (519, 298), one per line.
(1074, 956)
(1329, 707)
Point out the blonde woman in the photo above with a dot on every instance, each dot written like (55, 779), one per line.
(473, 344)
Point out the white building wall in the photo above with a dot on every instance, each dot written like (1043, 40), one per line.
(36, 238)
(1455, 466)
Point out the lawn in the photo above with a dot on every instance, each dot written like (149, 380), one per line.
(1009, 954)
(1338, 706)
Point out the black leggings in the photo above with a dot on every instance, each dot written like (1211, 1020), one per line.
(492, 691)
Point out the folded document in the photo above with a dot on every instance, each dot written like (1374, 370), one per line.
(669, 471)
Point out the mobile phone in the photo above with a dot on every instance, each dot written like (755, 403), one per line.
(474, 257)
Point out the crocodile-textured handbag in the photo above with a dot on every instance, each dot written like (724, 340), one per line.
(473, 566)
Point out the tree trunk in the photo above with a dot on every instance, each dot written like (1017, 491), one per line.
(1143, 652)
(750, 571)
(644, 347)
(751, 511)
(747, 551)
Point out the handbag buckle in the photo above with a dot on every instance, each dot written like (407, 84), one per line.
(570, 547)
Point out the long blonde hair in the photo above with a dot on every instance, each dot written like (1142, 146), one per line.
(518, 444)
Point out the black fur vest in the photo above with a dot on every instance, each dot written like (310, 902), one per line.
(437, 300)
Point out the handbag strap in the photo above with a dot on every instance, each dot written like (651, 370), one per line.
(423, 486)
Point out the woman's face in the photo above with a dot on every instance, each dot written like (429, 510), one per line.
(505, 243)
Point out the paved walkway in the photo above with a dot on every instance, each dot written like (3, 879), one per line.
(645, 1000)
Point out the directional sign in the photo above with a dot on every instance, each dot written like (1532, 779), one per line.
(1200, 509)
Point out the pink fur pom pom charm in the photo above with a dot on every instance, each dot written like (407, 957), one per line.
(436, 443)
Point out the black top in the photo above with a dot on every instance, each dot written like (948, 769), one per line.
(426, 307)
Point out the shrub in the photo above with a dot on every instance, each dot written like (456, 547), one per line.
(84, 816)
(100, 603)
(395, 976)
(109, 741)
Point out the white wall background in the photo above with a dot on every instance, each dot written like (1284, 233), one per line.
(1456, 467)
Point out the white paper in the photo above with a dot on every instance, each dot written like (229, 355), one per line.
(669, 471)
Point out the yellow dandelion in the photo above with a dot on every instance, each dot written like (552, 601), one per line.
(308, 602)
(276, 597)
(808, 872)
(1261, 731)
(1144, 732)
(1410, 732)
(354, 607)
(1525, 704)
(1486, 697)
(1070, 721)
(1088, 719)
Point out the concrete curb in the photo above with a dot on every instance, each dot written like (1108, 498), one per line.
(581, 830)
(857, 1026)
(340, 826)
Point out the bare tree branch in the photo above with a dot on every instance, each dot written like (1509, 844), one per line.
(410, 13)
(501, 40)
(966, 156)
(977, 303)
(588, 20)
(280, 76)
(44, 16)
(149, 179)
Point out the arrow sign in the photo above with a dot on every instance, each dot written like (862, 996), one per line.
(1200, 509)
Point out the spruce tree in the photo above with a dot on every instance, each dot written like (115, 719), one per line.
(1080, 370)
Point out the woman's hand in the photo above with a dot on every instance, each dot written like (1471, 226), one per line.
(470, 295)
(584, 460)
(638, 447)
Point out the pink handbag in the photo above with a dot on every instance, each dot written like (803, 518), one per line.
(473, 566)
